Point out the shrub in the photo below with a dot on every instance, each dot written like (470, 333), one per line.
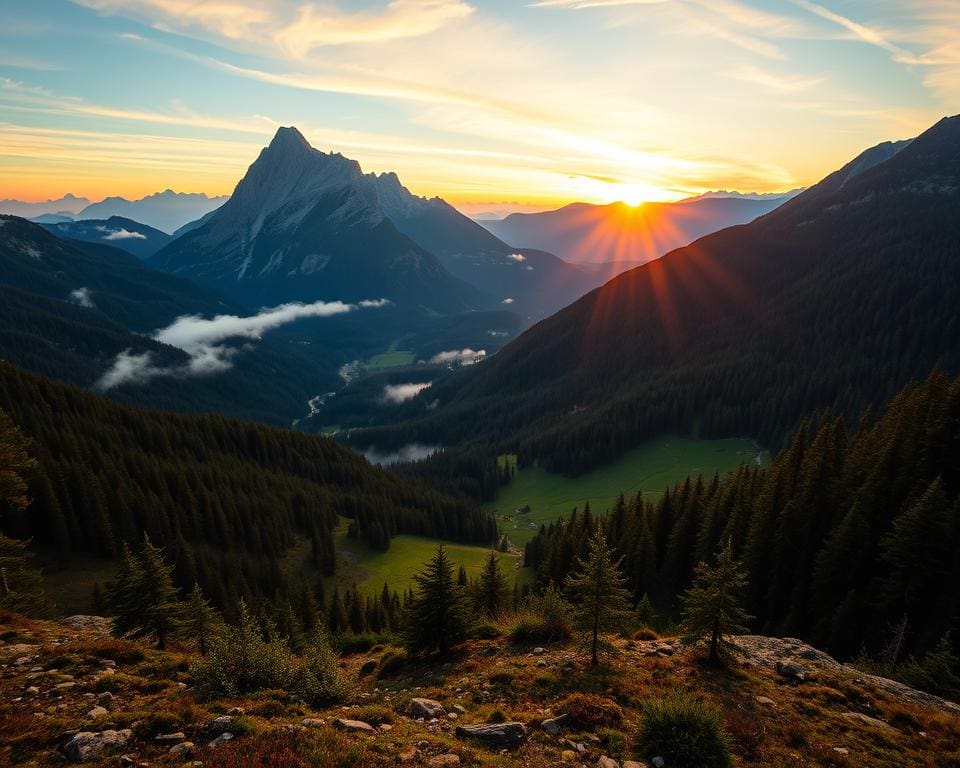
(486, 631)
(497, 716)
(645, 633)
(319, 681)
(585, 710)
(545, 620)
(685, 731)
(155, 724)
(613, 741)
(375, 714)
(349, 644)
(391, 662)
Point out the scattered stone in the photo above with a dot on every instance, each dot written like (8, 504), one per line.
(867, 720)
(64, 686)
(494, 734)
(765, 701)
(658, 762)
(841, 750)
(539, 650)
(452, 715)
(223, 738)
(632, 764)
(126, 761)
(312, 722)
(426, 708)
(607, 762)
(792, 671)
(459, 709)
(96, 712)
(554, 725)
(408, 755)
(444, 761)
(543, 663)
(32, 691)
(385, 727)
(184, 749)
(85, 744)
(236, 711)
(170, 738)
(343, 724)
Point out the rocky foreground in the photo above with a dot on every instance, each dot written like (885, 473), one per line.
(69, 693)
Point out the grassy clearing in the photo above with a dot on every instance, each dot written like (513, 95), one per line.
(392, 358)
(653, 467)
(368, 569)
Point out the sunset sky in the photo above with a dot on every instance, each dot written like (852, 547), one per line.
(492, 104)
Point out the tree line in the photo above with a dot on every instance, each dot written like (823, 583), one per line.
(847, 538)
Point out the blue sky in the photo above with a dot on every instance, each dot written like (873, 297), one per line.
(492, 105)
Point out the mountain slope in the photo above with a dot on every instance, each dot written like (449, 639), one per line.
(532, 282)
(166, 211)
(832, 301)
(131, 236)
(303, 225)
(68, 205)
(588, 234)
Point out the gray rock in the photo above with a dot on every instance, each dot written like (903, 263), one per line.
(444, 761)
(426, 708)
(85, 744)
(220, 724)
(792, 671)
(235, 711)
(170, 738)
(105, 699)
(184, 749)
(353, 725)
(867, 720)
(607, 762)
(96, 712)
(658, 762)
(223, 738)
(765, 701)
(32, 690)
(494, 734)
(312, 722)
(554, 725)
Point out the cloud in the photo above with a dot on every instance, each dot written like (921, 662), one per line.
(81, 296)
(464, 356)
(399, 393)
(121, 234)
(517, 257)
(204, 340)
(772, 82)
(410, 452)
(295, 29)
(508, 300)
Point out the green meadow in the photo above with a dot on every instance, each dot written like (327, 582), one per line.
(651, 468)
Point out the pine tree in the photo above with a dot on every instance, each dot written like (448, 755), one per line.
(15, 463)
(601, 601)
(462, 576)
(202, 622)
(161, 607)
(436, 618)
(491, 591)
(711, 607)
(123, 593)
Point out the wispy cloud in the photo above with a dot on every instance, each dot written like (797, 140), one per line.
(464, 356)
(400, 393)
(120, 234)
(773, 82)
(82, 297)
(205, 340)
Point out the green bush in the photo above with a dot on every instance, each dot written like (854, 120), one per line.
(685, 731)
(155, 724)
(392, 661)
(319, 681)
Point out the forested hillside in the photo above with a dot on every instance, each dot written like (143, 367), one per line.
(226, 498)
(835, 300)
(850, 535)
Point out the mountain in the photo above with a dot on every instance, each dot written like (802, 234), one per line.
(68, 204)
(582, 233)
(131, 236)
(832, 301)
(166, 211)
(68, 309)
(781, 196)
(532, 282)
(305, 225)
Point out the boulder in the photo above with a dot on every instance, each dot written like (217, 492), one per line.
(792, 671)
(554, 725)
(96, 712)
(85, 744)
(223, 738)
(658, 762)
(353, 725)
(220, 724)
(494, 734)
(184, 749)
(312, 722)
(426, 708)
(867, 720)
(409, 754)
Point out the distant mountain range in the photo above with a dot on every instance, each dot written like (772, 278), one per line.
(131, 236)
(582, 233)
(166, 211)
(833, 301)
